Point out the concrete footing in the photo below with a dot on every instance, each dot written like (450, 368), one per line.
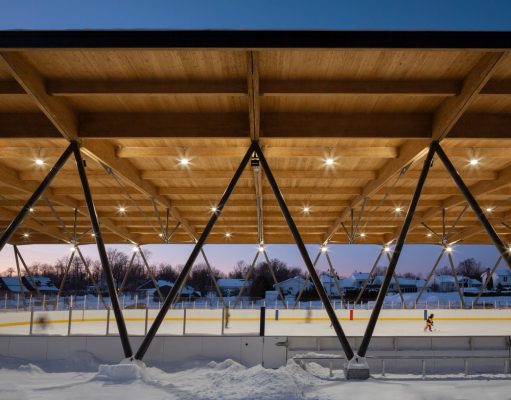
(357, 369)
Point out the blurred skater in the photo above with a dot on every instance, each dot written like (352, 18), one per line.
(429, 323)
(308, 315)
(42, 322)
(227, 315)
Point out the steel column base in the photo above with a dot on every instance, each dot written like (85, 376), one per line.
(357, 369)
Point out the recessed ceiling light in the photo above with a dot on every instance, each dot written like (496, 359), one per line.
(31, 210)
(184, 161)
(474, 161)
(39, 161)
(489, 209)
(329, 161)
(214, 209)
(362, 234)
(122, 210)
(398, 209)
(26, 235)
(306, 209)
(228, 234)
(430, 234)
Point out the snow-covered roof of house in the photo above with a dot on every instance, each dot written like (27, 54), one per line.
(327, 279)
(443, 278)
(348, 283)
(149, 284)
(503, 271)
(360, 275)
(293, 279)
(12, 283)
(45, 283)
(231, 283)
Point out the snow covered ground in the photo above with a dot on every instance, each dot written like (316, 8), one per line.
(228, 380)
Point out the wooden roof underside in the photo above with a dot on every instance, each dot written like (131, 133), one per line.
(138, 110)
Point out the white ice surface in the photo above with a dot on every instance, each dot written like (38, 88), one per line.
(229, 380)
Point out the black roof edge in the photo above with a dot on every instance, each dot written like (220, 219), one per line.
(253, 39)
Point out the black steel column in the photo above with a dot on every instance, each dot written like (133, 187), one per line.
(193, 256)
(395, 255)
(112, 291)
(503, 250)
(303, 251)
(16, 222)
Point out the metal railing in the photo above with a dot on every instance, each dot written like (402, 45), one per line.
(423, 359)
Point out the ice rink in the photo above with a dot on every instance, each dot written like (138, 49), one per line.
(247, 322)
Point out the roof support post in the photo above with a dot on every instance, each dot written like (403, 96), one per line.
(503, 250)
(430, 274)
(150, 272)
(398, 286)
(247, 277)
(484, 284)
(17, 221)
(193, 256)
(303, 251)
(66, 272)
(306, 281)
(213, 279)
(112, 291)
(366, 282)
(125, 279)
(27, 271)
(89, 274)
(272, 272)
(396, 254)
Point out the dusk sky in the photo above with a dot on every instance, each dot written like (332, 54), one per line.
(263, 14)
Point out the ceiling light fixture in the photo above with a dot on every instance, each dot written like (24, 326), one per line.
(184, 161)
(473, 161)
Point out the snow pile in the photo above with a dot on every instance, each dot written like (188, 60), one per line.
(229, 380)
(30, 368)
(126, 372)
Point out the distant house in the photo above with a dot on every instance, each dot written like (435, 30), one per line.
(148, 289)
(231, 287)
(406, 285)
(359, 278)
(447, 283)
(330, 284)
(504, 275)
(44, 284)
(292, 286)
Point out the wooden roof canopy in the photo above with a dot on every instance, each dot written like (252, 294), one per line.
(139, 101)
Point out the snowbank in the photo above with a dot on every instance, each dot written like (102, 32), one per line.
(229, 380)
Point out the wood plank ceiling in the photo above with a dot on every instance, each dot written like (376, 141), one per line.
(137, 113)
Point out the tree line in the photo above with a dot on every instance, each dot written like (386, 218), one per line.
(78, 279)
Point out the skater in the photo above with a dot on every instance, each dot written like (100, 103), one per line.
(227, 315)
(308, 315)
(429, 323)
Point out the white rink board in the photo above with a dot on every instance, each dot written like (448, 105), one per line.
(246, 322)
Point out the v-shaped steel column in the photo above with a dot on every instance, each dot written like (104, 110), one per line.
(193, 256)
(303, 251)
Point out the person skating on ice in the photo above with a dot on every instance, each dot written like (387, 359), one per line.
(429, 323)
